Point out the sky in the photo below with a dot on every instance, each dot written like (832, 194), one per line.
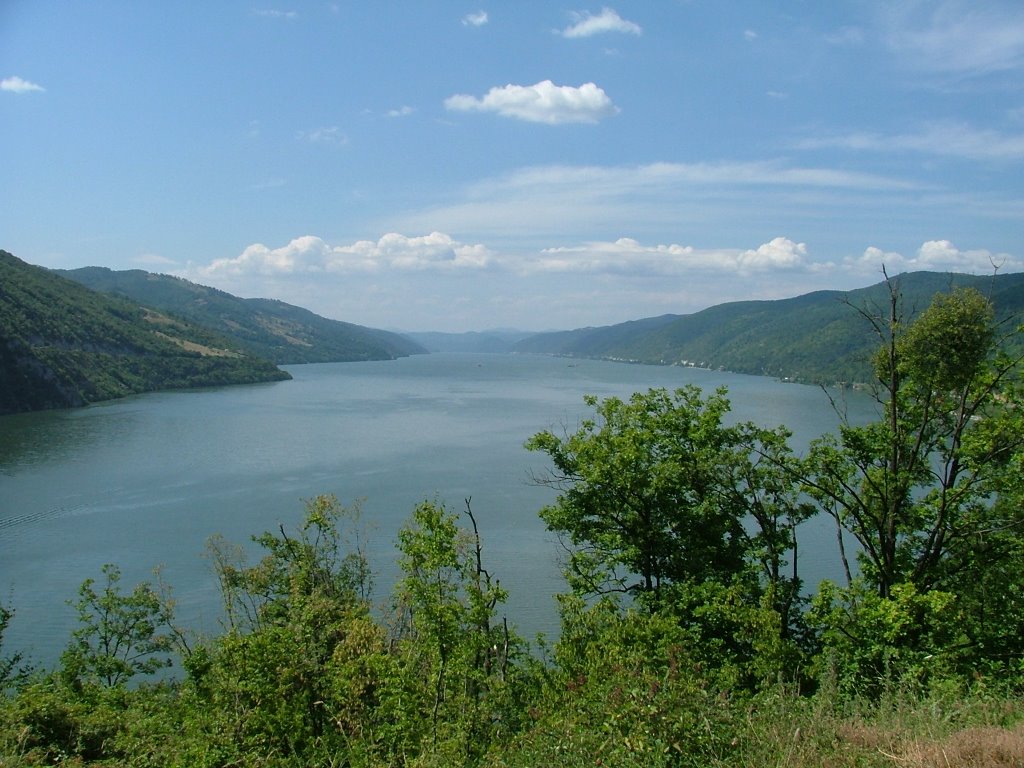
(457, 166)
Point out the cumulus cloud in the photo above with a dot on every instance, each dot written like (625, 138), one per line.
(16, 84)
(587, 24)
(627, 256)
(544, 102)
(477, 19)
(310, 255)
(403, 111)
(937, 256)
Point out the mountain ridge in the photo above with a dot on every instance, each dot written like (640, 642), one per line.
(817, 337)
(281, 332)
(64, 345)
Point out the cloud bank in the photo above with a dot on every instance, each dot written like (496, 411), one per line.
(309, 254)
(937, 256)
(627, 256)
(543, 102)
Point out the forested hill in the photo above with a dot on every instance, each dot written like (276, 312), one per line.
(62, 344)
(272, 329)
(817, 337)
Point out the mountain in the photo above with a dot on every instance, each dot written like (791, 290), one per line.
(816, 337)
(272, 329)
(496, 341)
(62, 344)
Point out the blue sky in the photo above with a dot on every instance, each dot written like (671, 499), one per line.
(460, 166)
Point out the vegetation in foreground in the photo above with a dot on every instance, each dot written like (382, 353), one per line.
(687, 637)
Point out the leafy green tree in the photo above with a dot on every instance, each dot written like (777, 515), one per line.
(914, 488)
(459, 656)
(659, 490)
(644, 495)
(927, 492)
(324, 559)
(299, 670)
(119, 635)
(663, 501)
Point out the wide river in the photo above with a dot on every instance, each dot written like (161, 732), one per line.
(145, 481)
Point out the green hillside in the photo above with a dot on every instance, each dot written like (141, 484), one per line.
(62, 345)
(275, 330)
(817, 337)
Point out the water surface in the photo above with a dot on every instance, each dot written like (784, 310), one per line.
(145, 481)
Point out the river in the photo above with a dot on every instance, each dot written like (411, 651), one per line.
(145, 481)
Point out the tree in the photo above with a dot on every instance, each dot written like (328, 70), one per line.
(458, 655)
(645, 498)
(295, 619)
(119, 636)
(658, 490)
(914, 488)
(928, 493)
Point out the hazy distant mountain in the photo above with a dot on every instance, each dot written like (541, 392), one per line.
(817, 337)
(272, 329)
(62, 344)
(497, 341)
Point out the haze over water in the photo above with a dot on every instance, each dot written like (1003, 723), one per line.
(145, 481)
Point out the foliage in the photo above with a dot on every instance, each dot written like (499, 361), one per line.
(301, 666)
(644, 495)
(872, 644)
(63, 345)
(119, 635)
(663, 501)
(456, 654)
(810, 338)
(264, 328)
(915, 489)
(684, 641)
(13, 668)
(624, 691)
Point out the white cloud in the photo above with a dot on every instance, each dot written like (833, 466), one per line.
(587, 24)
(627, 256)
(943, 138)
(936, 256)
(312, 255)
(749, 34)
(271, 13)
(16, 84)
(477, 19)
(324, 135)
(544, 102)
(779, 253)
(403, 111)
(957, 37)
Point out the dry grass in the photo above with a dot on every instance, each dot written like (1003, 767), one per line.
(982, 747)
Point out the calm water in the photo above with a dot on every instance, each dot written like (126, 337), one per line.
(145, 481)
